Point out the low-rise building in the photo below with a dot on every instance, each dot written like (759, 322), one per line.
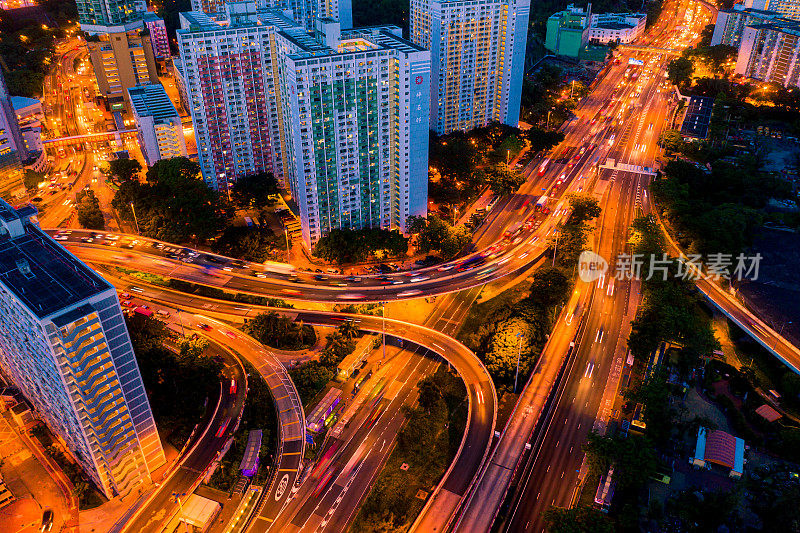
(616, 27)
(158, 124)
(567, 30)
(719, 448)
(29, 117)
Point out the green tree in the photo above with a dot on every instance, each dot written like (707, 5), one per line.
(32, 179)
(511, 340)
(671, 140)
(504, 180)
(348, 329)
(174, 205)
(541, 140)
(309, 378)
(550, 286)
(581, 519)
(249, 244)
(279, 331)
(634, 458)
(124, 169)
(89, 214)
(436, 234)
(255, 190)
(679, 71)
(193, 348)
(584, 208)
(353, 246)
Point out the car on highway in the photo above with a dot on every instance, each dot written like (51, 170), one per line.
(47, 520)
(291, 292)
(445, 268)
(204, 327)
(320, 277)
(350, 296)
(233, 386)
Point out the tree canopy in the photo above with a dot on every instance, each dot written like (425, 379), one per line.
(279, 331)
(88, 206)
(255, 190)
(249, 244)
(504, 180)
(680, 71)
(124, 169)
(354, 246)
(435, 234)
(174, 205)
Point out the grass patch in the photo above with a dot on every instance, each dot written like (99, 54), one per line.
(146, 277)
(427, 444)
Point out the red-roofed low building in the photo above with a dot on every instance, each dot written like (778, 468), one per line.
(719, 448)
(768, 413)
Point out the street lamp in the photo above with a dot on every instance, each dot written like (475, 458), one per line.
(177, 497)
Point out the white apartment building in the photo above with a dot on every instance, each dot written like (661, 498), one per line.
(158, 124)
(730, 23)
(786, 8)
(64, 345)
(477, 59)
(255, 80)
(616, 27)
(770, 52)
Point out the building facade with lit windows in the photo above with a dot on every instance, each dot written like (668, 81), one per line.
(341, 117)
(12, 144)
(64, 345)
(356, 122)
(730, 23)
(477, 59)
(94, 15)
(770, 52)
(786, 8)
(159, 41)
(158, 124)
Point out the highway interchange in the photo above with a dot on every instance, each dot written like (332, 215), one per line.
(577, 376)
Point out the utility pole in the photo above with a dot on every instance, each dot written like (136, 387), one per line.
(288, 250)
(135, 222)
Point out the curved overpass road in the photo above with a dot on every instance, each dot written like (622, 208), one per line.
(482, 398)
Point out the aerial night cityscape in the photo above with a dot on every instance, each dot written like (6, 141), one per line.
(429, 266)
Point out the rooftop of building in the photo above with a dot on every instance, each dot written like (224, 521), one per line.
(152, 101)
(375, 37)
(613, 26)
(37, 270)
(22, 102)
(790, 27)
(149, 16)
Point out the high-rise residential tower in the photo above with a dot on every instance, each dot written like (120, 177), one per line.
(477, 59)
(341, 118)
(64, 344)
(356, 123)
(12, 145)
